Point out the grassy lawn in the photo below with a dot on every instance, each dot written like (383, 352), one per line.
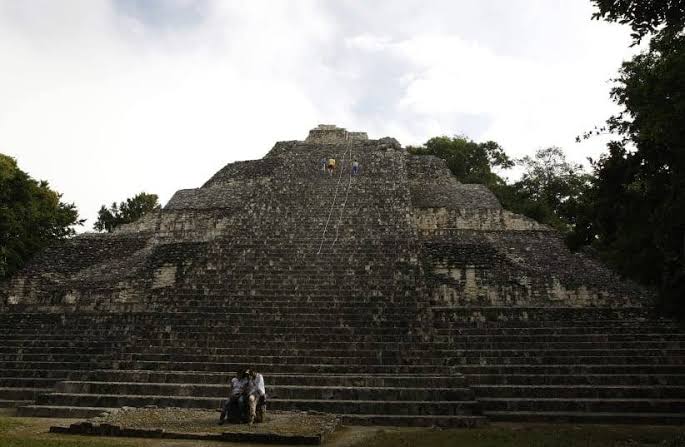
(528, 435)
(30, 432)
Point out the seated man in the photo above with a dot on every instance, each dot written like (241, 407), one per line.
(256, 397)
(233, 408)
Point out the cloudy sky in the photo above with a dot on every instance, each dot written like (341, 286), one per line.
(107, 98)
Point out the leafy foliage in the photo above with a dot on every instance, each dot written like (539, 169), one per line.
(125, 212)
(637, 220)
(32, 216)
(469, 161)
(645, 17)
(635, 213)
(551, 189)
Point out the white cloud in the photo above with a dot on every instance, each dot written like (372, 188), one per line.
(105, 99)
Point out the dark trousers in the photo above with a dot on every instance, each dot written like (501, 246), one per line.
(234, 409)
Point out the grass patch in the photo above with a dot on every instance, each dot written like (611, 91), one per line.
(533, 436)
(18, 433)
(7, 424)
(39, 442)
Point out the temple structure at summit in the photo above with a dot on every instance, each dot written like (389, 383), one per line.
(394, 296)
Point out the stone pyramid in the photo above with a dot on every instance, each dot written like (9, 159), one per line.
(396, 296)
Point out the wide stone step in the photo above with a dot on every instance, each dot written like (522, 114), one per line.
(568, 360)
(635, 331)
(27, 382)
(54, 373)
(10, 353)
(349, 380)
(253, 315)
(228, 339)
(14, 403)
(540, 313)
(22, 367)
(55, 357)
(394, 358)
(181, 333)
(345, 368)
(273, 391)
(578, 379)
(358, 350)
(284, 359)
(460, 421)
(580, 391)
(325, 405)
(355, 311)
(600, 405)
(571, 369)
(54, 346)
(223, 344)
(581, 417)
(23, 393)
(546, 324)
(565, 338)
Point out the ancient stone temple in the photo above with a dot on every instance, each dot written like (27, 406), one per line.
(394, 296)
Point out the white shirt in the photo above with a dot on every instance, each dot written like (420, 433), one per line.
(256, 386)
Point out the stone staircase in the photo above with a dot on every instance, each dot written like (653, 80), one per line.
(321, 368)
(570, 365)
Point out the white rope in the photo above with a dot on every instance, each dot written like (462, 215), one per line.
(335, 196)
(342, 210)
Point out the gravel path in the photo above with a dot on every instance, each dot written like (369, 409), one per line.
(184, 420)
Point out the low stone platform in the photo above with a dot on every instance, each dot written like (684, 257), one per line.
(281, 427)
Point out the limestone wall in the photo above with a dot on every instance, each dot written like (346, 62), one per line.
(441, 221)
(519, 268)
(433, 186)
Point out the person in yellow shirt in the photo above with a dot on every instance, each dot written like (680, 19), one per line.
(331, 166)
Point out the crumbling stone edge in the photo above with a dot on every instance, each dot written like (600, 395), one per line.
(104, 429)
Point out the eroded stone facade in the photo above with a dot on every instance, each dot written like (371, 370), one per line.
(453, 242)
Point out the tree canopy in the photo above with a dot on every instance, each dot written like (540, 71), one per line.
(469, 161)
(32, 216)
(634, 213)
(125, 212)
(645, 17)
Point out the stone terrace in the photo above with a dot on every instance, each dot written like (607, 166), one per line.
(398, 296)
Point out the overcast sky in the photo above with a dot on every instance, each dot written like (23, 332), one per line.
(107, 98)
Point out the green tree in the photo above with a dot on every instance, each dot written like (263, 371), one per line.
(637, 213)
(553, 187)
(125, 212)
(32, 216)
(663, 18)
(469, 161)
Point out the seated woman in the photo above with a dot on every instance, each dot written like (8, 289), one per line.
(256, 397)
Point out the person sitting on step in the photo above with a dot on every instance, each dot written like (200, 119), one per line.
(256, 397)
(233, 408)
(331, 166)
